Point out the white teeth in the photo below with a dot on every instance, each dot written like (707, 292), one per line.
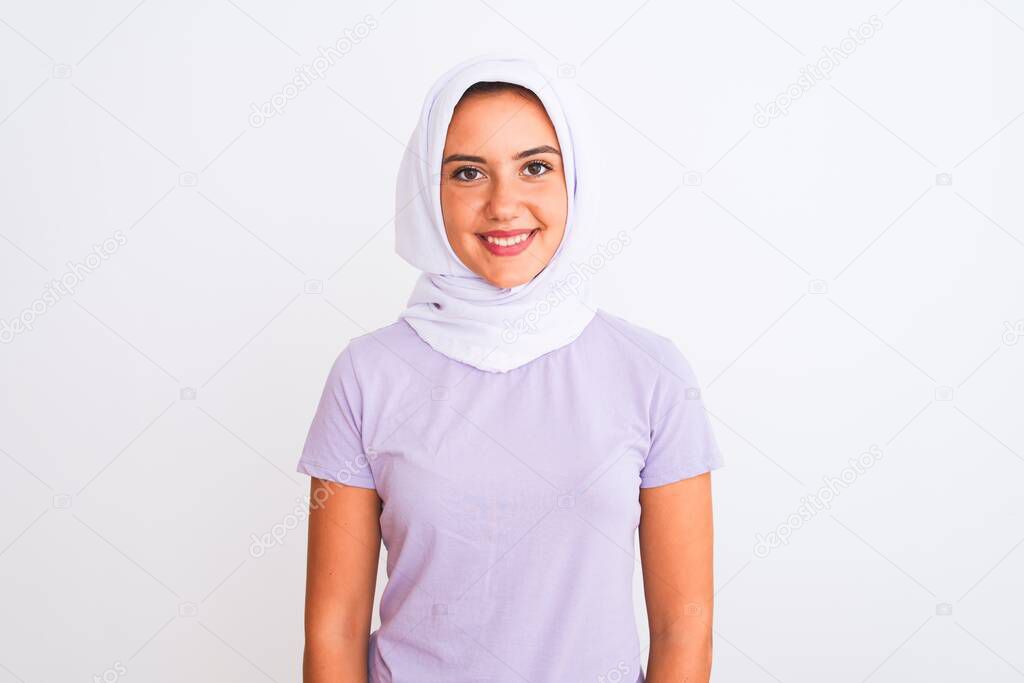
(502, 242)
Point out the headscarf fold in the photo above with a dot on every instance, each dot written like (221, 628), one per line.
(453, 309)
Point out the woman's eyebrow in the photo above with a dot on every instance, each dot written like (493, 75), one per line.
(543, 149)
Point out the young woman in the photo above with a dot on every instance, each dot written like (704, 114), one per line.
(503, 437)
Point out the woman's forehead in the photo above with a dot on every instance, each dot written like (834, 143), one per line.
(502, 123)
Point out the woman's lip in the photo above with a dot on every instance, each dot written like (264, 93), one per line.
(505, 234)
(512, 250)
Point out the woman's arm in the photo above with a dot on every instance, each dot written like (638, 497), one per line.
(676, 541)
(341, 576)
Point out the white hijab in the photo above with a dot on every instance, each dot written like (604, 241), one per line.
(453, 309)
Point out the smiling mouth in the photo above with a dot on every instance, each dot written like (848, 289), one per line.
(507, 242)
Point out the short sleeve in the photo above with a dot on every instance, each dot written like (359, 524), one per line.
(334, 444)
(683, 444)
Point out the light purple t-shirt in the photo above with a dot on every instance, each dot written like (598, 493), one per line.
(510, 500)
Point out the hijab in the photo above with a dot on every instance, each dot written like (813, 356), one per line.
(458, 313)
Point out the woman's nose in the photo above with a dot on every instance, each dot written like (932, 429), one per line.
(504, 202)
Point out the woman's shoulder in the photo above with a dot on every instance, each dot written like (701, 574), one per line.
(632, 335)
(373, 347)
(648, 349)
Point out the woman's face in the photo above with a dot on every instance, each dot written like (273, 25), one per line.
(503, 194)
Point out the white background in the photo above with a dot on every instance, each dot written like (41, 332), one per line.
(830, 294)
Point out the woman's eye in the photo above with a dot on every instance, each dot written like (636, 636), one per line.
(459, 174)
(533, 169)
(538, 166)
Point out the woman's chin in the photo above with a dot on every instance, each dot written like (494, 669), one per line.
(507, 280)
